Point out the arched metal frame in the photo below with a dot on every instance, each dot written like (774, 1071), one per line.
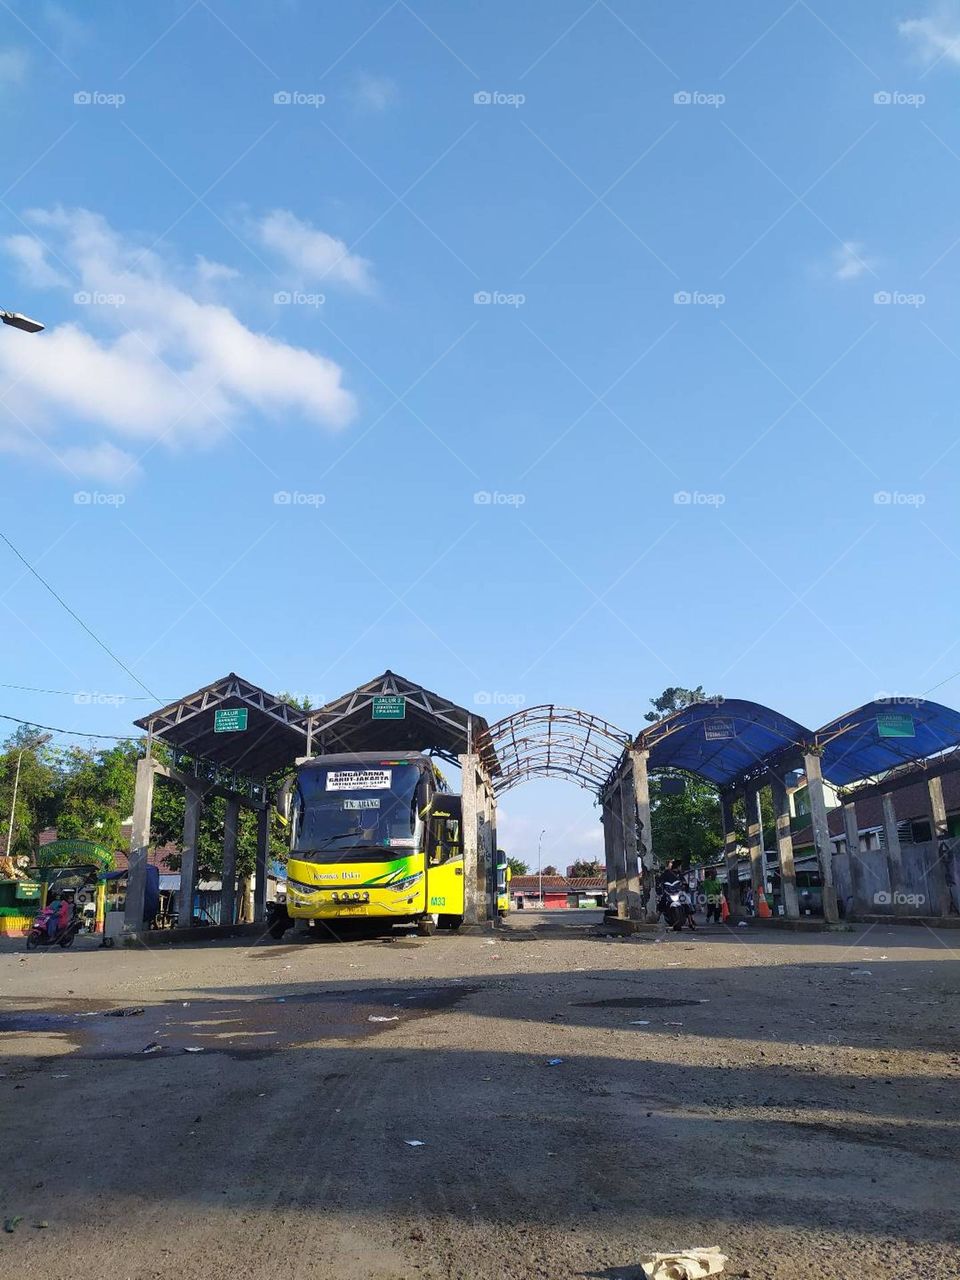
(550, 741)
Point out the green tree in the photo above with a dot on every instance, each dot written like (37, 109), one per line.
(36, 788)
(517, 868)
(686, 825)
(550, 870)
(675, 698)
(586, 868)
(95, 793)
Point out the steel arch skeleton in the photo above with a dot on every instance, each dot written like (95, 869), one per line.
(550, 741)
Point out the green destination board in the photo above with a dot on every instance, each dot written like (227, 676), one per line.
(230, 720)
(893, 724)
(391, 706)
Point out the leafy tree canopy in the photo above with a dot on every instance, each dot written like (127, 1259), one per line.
(587, 868)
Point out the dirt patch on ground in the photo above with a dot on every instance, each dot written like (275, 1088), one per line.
(790, 1100)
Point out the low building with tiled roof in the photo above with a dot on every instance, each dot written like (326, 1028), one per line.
(558, 891)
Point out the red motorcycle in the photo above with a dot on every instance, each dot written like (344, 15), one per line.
(40, 935)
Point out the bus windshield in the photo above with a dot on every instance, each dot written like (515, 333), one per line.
(355, 812)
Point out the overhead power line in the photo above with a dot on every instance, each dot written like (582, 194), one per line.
(80, 693)
(76, 617)
(74, 733)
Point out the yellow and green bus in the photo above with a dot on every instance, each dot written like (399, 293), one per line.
(375, 840)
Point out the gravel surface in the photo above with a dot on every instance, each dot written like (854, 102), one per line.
(791, 1098)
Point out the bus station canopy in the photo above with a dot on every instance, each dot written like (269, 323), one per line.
(234, 724)
(721, 739)
(728, 740)
(391, 713)
(884, 735)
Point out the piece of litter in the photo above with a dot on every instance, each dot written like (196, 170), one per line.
(414, 1142)
(10, 1224)
(640, 1022)
(554, 1062)
(64, 1076)
(281, 999)
(861, 973)
(741, 924)
(193, 1048)
(124, 1013)
(42, 1224)
(153, 1047)
(673, 1024)
(687, 1264)
(376, 1017)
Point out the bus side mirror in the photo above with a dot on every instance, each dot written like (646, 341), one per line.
(284, 799)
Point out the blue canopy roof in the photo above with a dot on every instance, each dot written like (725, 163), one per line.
(884, 734)
(720, 740)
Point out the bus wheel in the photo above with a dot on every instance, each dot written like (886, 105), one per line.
(451, 922)
(427, 926)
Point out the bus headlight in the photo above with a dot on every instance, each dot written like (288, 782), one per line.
(401, 886)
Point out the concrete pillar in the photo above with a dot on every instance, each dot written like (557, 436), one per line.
(641, 795)
(730, 855)
(619, 846)
(628, 811)
(821, 834)
(609, 854)
(862, 904)
(751, 804)
(940, 834)
(192, 801)
(474, 886)
(228, 892)
(139, 846)
(263, 854)
(891, 838)
(788, 875)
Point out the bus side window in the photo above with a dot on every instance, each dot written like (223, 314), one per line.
(451, 841)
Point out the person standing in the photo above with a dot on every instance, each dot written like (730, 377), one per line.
(712, 894)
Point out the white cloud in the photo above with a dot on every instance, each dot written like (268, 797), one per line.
(315, 256)
(14, 65)
(936, 36)
(849, 261)
(31, 257)
(374, 93)
(213, 272)
(144, 361)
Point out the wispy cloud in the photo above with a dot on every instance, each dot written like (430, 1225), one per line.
(312, 255)
(14, 66)
(849, 261)
(936, 36)
(147, 360)
(374, 93)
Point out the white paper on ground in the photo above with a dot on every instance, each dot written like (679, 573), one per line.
(686, 1264)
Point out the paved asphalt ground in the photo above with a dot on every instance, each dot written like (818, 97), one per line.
(792, 1098)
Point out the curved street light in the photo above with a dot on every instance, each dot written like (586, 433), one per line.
(18, 321)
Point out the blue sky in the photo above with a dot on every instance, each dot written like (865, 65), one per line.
(712, 397)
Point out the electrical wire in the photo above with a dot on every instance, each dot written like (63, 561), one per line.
(80, 693)
(74, 733)
(93, 636)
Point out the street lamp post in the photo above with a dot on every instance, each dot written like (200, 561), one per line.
(540, 863)
(18, 321)
(13, 807)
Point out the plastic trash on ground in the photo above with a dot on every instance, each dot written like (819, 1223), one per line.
(686, 1264)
